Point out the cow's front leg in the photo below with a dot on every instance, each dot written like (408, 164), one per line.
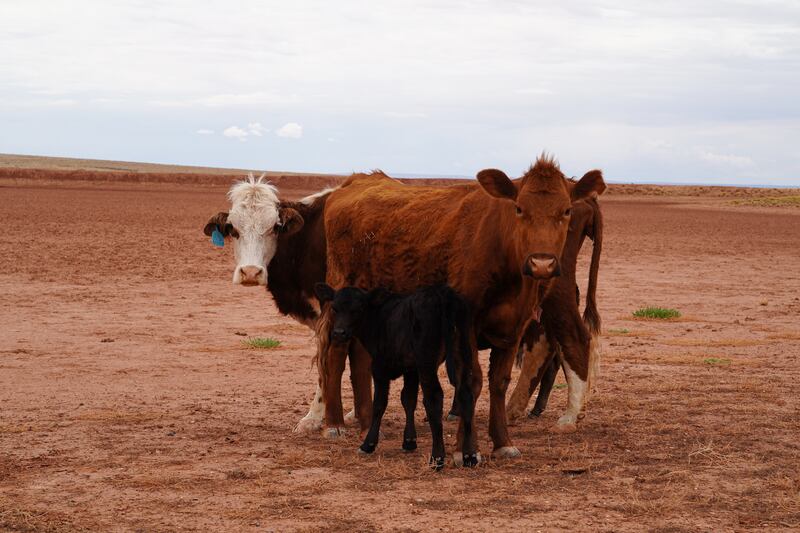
(501, 360)
(332, 369)
(316, 414)
(476, 384)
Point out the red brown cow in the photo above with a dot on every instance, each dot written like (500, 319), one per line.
(495, 242)
(564, 330)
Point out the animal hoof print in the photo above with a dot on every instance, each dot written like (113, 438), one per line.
(437, 463)
(410, 445)
(333, 433)
(471, 459)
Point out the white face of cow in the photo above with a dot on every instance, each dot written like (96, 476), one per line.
(255, 221)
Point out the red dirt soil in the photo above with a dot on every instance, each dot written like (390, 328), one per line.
(128, 401)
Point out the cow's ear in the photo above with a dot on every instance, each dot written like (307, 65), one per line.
(218, 221)
(591, 185)
(324, 292)
(496, 183)
(289, 221)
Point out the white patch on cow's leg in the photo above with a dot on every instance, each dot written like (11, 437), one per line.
(316, 413)
(577, 397)
(458, 458)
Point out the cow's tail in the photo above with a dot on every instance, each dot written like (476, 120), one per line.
(456, 330)
(591, 316)
(448, 324)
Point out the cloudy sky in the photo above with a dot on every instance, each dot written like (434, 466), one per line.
(683, 91)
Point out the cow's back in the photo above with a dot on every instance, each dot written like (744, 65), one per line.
(382, 233)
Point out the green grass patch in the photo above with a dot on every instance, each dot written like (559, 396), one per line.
(560, 386)
(717, 361)
(618, 331)
(660, 313)
(771, 201)
(262, 343)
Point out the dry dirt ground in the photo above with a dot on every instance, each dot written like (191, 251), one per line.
(128, 401)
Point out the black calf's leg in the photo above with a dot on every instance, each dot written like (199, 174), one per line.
(379, 402)
(409, 399)
(433, 398)
(546, 386)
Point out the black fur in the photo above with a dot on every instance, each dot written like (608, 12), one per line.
(410, 336)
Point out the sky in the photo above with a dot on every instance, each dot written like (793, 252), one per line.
(672, 92)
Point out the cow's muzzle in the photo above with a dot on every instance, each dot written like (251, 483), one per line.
(542, 266)
(251, 275)
(340, 335)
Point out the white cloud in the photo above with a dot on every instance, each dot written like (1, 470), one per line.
(255, 128)
(291, 130)
(204, 131)
(406, 114)
(739, 161)
(235, 132)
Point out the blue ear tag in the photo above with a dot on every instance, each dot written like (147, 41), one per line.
(217, 239)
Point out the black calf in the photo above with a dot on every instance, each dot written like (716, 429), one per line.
(410, 336)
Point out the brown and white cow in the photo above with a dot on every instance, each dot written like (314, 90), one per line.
(281, 245)
(561, 329)
(495, 242)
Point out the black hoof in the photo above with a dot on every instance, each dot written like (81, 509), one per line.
(471, 460)
(535, 413)
(437, 463)
(367, 448)
(451, 416)
(409, 445)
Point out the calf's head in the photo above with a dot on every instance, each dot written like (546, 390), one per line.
(256, 220)
(538, 212)
(350, 306)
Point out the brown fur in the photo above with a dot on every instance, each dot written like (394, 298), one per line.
(382, 233)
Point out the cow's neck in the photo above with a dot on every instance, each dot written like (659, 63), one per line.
(298, 264)
(511, 298)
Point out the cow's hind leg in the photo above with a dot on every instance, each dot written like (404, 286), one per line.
(546, 385)
(409, 399)
(378, 408)
(533, 362)
(575, 351)
(361, 379)
(433, 399)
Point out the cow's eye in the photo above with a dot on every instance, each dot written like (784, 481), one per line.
(519, 211)
(568, 212)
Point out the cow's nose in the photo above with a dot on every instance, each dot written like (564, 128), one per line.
(339, 333)
(542, 266)
(250, 274)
